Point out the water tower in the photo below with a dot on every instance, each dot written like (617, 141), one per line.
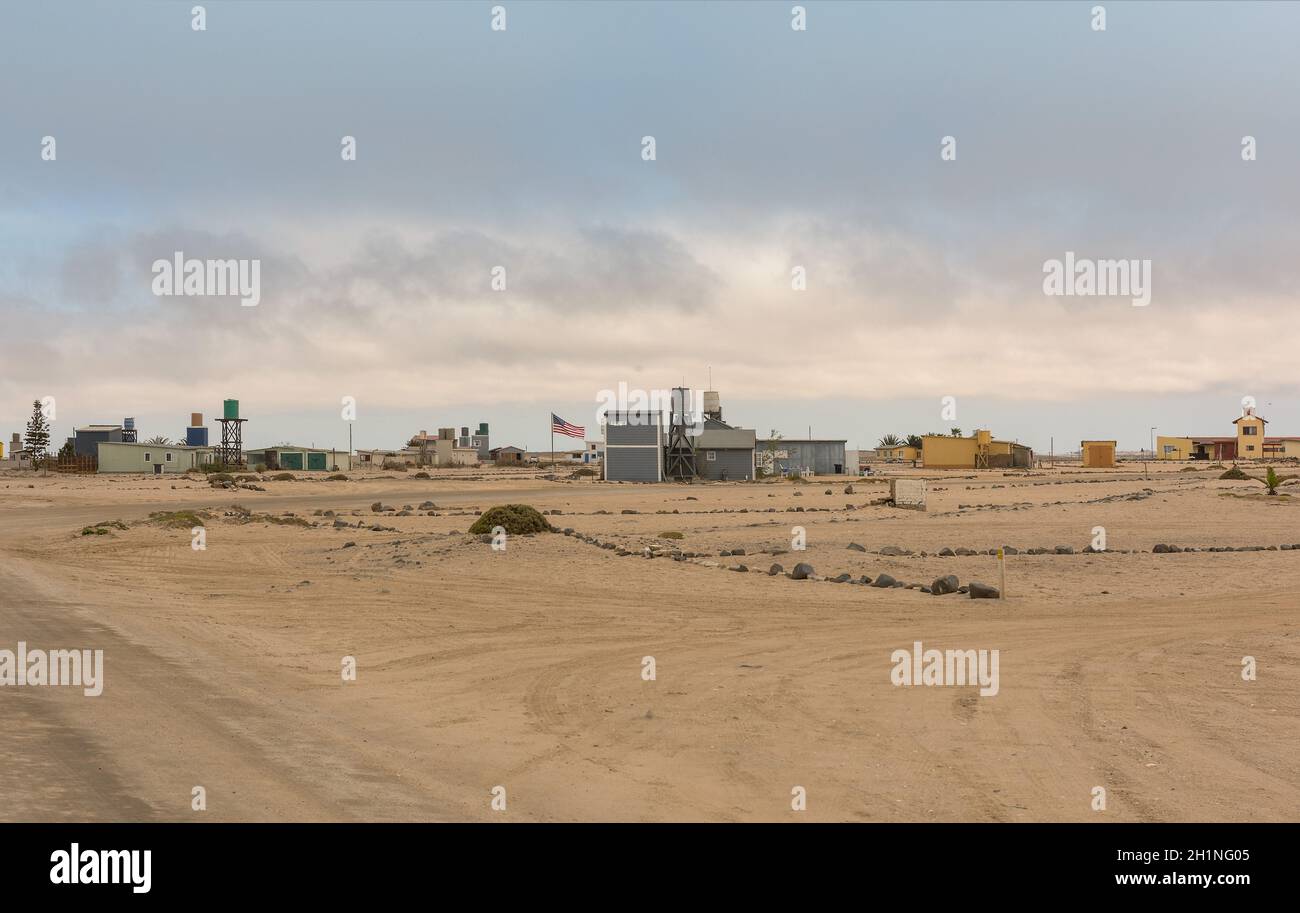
(232, 435)
(680, 464)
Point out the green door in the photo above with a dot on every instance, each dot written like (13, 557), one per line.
(316, 461)
(291, 461)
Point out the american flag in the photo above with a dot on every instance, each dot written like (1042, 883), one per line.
(560, 426)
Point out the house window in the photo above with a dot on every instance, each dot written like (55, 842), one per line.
(1250, 446)
(148, 458)
(711, 455)
(1249, 429)
(169, 458)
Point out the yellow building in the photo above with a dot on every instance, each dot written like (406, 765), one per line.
(904, 452)
(1173, 448)
(1251, 442)
(1250, 435)
(1098, 454)
(979, 451)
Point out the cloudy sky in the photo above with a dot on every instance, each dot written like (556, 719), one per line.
(774, 149)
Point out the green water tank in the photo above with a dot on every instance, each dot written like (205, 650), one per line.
(482, 429)
(230, 409)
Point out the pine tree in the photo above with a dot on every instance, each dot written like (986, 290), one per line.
(38, 433)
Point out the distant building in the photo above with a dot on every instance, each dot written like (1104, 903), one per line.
(375, 458)
(1249, 443)
(634, 446)
(156, 459)
(293, 457)
(723, 452)
(85, 441)
(507, 456)
(783, 456)
(899, 453)
(979, 451)
(1097, 454)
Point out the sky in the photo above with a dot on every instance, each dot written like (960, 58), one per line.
(774, 149)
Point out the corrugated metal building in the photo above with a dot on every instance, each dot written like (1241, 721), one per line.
(85, 441)
(634, 446)
(823, 457)
(289, 456)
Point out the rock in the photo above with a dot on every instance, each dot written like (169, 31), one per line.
(349, 545)
(965, 552)
(740, 567)
(942, 586)
(894, 550)
(842, 578)
(774, 570)
(864, 580)
(848, 489)
(856, 547)
(982, 591)
(428, 505)
(1160, 549)
(629, 511)
(1065, 550)
(802, 571)
(946, 552)
(725, 553)
(737, 551)
(340, 524)
(884, 581)
(377, 507)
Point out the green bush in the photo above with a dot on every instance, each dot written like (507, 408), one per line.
(516, 519)
(221, 477)
(177, 519)
(1236, 474)
(671, 534)
(283, 477)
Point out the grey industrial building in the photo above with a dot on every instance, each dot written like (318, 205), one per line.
(823, 457)
(723, 452)
(634, 447)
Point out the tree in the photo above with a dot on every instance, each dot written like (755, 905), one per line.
(914, 440)
(955, 432)
(67, 452)
(38, 433)
(158, 441)
(1272, 481)
(889, 440)
(769, 452)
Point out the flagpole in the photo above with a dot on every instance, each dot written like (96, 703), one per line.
(552, 442)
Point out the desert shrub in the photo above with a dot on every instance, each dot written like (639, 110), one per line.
(177, 519)
(585, 471)
(260, 467)
(422, 475)
(247, 478)
(1236, 474)
(211, 467)
(102, 528)
(394, 465)
(337, 477)
(283, 477)
(671, 534)
(221, 477)
(516, 519)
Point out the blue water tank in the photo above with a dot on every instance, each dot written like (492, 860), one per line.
(196, 437)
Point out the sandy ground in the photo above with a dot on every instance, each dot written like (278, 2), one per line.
(523, 669)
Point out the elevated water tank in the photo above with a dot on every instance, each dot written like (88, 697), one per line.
(196, 437)
(230, 408)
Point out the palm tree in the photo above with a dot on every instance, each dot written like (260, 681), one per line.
(889, 440)
(955, 432)
(1272, 481)
(914, 440)
(158, 441)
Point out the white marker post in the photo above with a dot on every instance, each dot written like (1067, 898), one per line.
(1002, 573)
